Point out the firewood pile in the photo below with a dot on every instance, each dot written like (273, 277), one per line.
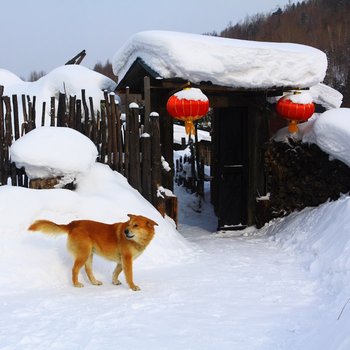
(300, 175)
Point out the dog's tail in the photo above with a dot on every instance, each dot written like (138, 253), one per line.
(49, 227)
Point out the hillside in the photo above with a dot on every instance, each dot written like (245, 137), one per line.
(323, 24)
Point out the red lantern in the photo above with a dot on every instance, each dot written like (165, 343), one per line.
(188, 105)
(295, 107)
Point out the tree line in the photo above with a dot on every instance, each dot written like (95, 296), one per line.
(323, 24)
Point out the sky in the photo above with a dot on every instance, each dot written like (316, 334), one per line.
(40, 35)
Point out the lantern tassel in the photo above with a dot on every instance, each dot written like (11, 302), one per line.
(190, 128)
(293, 126)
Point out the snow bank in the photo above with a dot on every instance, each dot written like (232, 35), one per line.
(321, 238)
(53, 151)
(70, 79)
(331, 132)
(103, 195)
(226, 62)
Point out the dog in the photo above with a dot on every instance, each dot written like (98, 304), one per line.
(121, 242)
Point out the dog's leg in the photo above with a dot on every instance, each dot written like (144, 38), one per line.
(118, 269)
(81, 252)
(78, 264)
(88, 269)
(127, 267)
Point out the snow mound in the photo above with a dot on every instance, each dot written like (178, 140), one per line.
(9, 78)
(53, 151)
(226, 62)
(321, 239)
(331, 132)
(102, 195)
(69, 79)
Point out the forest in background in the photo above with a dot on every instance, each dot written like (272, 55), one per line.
(323, 24)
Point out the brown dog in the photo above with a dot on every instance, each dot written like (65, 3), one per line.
(120, 242)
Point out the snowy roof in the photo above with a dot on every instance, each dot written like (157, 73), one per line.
(225, 62)
(53, 151)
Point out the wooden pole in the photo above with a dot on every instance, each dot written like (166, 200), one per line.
(156, 158)
(103, 132)
(146, 166)
(2, 140)
(126, 133)
(61, 110)
(43, 114)
(86, 128)
(113, 131)
(147, 99)
(72, 116)
(15, 116)
(134, 148)
(25, 116)
(52, 111)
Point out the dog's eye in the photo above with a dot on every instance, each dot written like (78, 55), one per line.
(135, 225)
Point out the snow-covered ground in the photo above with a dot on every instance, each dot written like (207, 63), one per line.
(282, 287)
(285, 286)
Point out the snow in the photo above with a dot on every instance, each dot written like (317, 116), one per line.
(67, 152)
(330, 131)
(191, 94)
(225, 62)
(69, 79)
(326, 96)
(300, 97)
(281, 287)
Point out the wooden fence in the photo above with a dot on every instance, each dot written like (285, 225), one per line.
(123, 145)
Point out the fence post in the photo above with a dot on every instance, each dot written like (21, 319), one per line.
(52, 111)
(156, 158)
(2, 140)
(61, 110)
(146, 166)
(134, 147)
(147, 99)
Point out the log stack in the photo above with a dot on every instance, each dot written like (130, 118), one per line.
(300, 175)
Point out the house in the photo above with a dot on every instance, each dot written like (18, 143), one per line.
(239, 78)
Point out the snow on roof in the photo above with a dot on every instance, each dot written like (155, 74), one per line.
(53, 151)
(70, 79)
(224, 62)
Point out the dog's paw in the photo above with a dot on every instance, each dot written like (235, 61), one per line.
(78, 285)
(135, 288)
(97, 283)
(117, 283)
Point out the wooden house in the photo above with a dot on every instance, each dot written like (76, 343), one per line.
(238, 77)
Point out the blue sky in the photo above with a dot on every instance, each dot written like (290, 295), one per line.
(44, 34)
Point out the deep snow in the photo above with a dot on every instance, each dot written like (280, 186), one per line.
(285, 286)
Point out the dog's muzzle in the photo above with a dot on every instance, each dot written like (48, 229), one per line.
(128, 234)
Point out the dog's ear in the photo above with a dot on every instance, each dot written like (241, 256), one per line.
(131, 216)
(151, 222)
